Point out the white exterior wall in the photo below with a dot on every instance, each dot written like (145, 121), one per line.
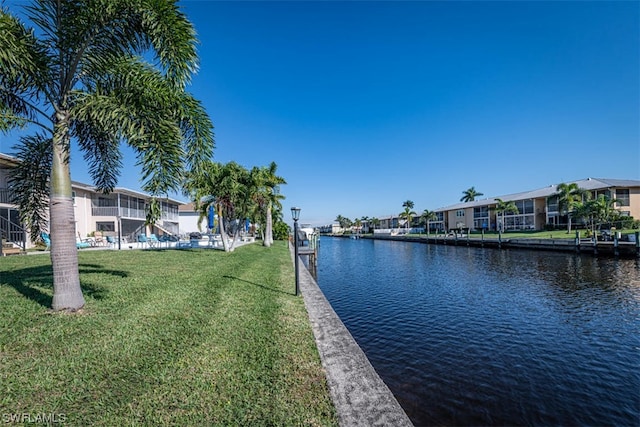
(188, 222)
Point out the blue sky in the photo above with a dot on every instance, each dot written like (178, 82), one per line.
(364, 105)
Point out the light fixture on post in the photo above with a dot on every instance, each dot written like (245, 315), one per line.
(119, 232)
(295, 213)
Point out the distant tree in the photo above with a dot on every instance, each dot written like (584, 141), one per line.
(407, 214)
(375, 222)
(470, 195)
(358, 224)
(428, 216)
(503, 208)
(596, 212)
(569, 196)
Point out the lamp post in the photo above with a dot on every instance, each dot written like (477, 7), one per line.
(295, 213)
(119, 232)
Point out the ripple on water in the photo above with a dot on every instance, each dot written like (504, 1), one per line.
(472, 336)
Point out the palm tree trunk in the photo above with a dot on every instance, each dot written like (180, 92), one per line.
(223, 233)
(67, 293)
(268, 235)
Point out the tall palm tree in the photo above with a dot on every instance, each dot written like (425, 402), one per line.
(569, 196)
(428, 216)
(96, 74)
(407, 214)
(272, 184)
(470, 195)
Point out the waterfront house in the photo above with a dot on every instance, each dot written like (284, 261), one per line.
(537, 209)
(121, 212)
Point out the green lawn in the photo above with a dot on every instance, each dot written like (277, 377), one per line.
(180, 337)
(554, 234)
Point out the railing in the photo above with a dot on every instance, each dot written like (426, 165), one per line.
(113, 211)
(171, 227)
(130, 213)
(5, 195)
(14, 233)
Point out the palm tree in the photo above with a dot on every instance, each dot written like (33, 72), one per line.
(407, 214)
(569, 195)
(267, 196)
(358, 224)
(375, 222)
(344, 222)
(226, 187)
(501, 209)
(596, 212)
(95, 75)
(428, 216)
(408, 204)
(470, 195)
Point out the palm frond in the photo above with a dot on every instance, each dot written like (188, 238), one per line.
(22, 73)
(29, 182)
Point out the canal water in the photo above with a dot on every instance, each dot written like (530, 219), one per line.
(482, 337)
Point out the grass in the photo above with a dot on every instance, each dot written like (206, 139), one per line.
(180, 337)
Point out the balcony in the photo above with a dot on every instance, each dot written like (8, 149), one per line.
(130, 213)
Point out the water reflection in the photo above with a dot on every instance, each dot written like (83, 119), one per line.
(474, 336)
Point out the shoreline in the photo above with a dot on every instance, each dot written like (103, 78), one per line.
(587, 246)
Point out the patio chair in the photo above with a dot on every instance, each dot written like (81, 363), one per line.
(47, 240)
(111, 241)
(153, 240)
(142, 239)
(99, 238)
(84, 243)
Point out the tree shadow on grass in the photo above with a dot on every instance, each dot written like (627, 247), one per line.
(24, 281)
(259, 285)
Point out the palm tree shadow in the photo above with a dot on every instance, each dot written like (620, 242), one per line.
(30, 282)
(258, 285)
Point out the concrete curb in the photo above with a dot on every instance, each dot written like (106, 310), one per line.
(359, 395)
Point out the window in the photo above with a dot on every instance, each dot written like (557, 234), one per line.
(460, 213)
(105, 226)
(481, 212)
(622, 197)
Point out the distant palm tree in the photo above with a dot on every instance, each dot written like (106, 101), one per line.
(358, 224)
(375, 222)
(569, 196)
(428, 216)
(502, 208)
(470, 195)
(408, 204)
(596, 212)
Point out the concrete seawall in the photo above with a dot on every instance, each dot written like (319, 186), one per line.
(623, 249)
(360, 396)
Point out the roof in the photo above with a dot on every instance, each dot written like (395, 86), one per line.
(587, 184)
(8, 160)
